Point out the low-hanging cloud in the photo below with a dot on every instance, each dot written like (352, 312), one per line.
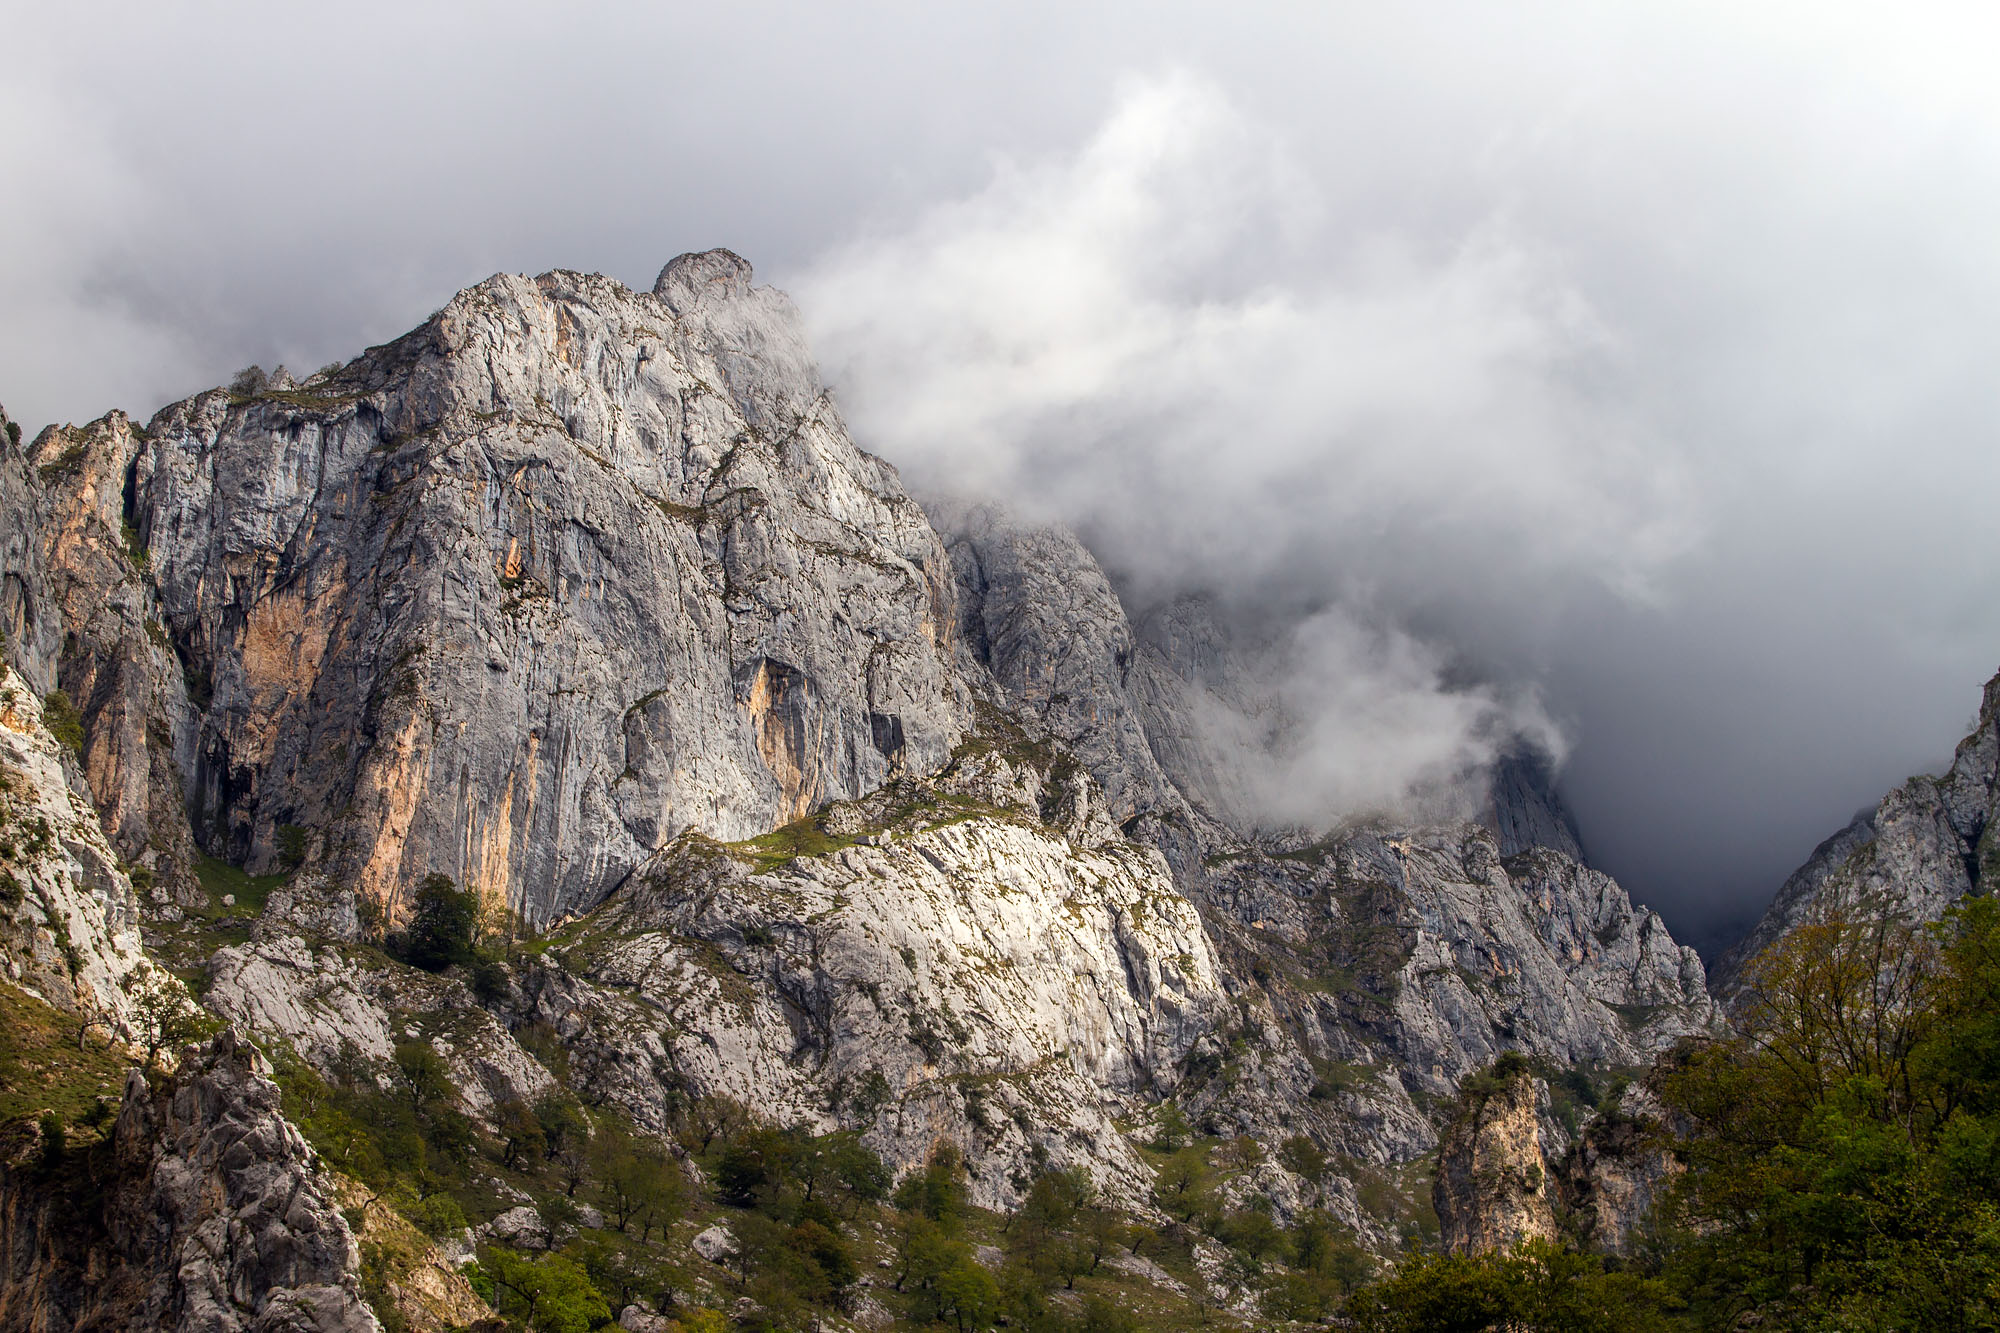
(1141, 339)
(1348, 716)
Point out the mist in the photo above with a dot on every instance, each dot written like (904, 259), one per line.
(1618, 376)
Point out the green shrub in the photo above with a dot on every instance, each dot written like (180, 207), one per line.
(59, 715)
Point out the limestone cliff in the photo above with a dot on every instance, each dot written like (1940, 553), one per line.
(69, 922)
(1495, 1185)
(116, 664)
(526, 593)
(583, 597)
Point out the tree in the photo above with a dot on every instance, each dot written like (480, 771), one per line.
(1182, 1185)
(861, 1174)
(709, 1117)
(966, 1294)
(755, 1165)
(520, 1132)
(562, 1123)
(936, 1191)
(164, 1017)
(636, 1181)
(573, 1166)
(422, 1076)
(549, 1292)
(1843, 1142)
(442, 919)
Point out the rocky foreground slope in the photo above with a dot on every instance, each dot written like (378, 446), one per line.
(584, 598)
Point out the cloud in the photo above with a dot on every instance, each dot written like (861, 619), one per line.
(1352, 717)
(1145, 339)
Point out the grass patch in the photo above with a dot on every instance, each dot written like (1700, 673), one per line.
(185, 946)
(219, 879)
(801, 837)
(41, 1067)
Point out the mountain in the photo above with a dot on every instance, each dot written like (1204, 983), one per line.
(772, 788)
(1929, 843)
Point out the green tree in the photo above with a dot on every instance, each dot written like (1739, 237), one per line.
(636, 1181)
(1183, 1185)
(1843, 1141)
(521, 1136)
(549, 1293)
(422, 1076)
(442, 920)
(966, 1294)
(937, 1190)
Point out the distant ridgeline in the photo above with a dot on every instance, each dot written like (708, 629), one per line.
(559, 835)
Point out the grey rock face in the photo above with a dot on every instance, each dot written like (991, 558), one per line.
(1527, 812)
(1391, 964)
(528, 592)
(217, 1219)
(1038, 614)
(333, 1009)
(1927, 844)
(980, 979)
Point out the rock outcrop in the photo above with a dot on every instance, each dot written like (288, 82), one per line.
(1618, 1172)
(1929, 843)
(1495, 1175)
(335, 1011)
(205, 1210)
(958, 971)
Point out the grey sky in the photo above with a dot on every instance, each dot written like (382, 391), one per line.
(1641, 356)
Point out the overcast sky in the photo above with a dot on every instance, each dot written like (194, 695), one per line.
(1637, 360)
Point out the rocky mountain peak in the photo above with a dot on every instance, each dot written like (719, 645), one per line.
(526, 593)
(1926, 845)
(691, 280)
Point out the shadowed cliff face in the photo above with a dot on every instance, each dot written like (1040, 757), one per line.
(519, 597)
(206, 1212)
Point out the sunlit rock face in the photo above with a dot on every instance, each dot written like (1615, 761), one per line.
(69, 922)
(517, 598)
(1495, 1184)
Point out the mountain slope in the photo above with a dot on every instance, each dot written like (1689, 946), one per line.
(583, 599)
(1929, 843)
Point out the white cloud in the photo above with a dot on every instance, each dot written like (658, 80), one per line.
(1139, 338)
